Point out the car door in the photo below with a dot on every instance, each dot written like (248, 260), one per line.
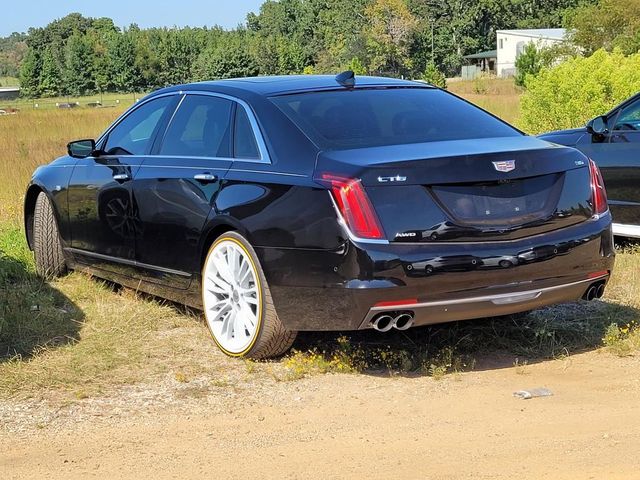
(617, 153)
(103, 218)
(176, 186)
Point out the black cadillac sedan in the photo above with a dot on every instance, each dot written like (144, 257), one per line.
(283, 204)
(613, 142)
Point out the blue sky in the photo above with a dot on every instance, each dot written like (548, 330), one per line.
(19, 15)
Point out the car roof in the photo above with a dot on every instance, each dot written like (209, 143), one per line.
(286, 84)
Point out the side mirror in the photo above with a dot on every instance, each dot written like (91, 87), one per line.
(81, 148)
(598, 126)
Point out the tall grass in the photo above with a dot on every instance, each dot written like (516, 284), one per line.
(499, 96)
(106, 99)
(9, 82)
(32, 138)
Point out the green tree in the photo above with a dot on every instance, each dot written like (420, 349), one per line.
(30, 75)
(338, 27)
(356, 66)
(50, 81)
(606, 24)
(125, 75)
(102, 72)
(434, 76)
(389, 29)
(230, 59)
(78, 66)
(529, 62)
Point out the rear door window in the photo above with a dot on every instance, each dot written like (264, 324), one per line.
(200, 128)
(371, 117)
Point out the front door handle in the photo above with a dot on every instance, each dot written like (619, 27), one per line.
(121, 177)
(205, 177)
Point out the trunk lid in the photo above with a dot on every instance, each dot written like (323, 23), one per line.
(469, 190)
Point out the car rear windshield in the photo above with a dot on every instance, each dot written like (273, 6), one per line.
(372, 117)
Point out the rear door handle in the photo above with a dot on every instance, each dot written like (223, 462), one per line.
(205, 177)
(121, 177)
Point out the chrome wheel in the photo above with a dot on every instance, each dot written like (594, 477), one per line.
(231, 296)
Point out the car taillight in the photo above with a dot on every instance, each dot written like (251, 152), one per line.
(598, 191)
(354, 205)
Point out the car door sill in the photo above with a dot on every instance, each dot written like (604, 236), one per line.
(124, 261)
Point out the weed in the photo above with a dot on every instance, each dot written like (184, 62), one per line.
(250, 365)
(221, 382)
(622, 340)
(521, 366)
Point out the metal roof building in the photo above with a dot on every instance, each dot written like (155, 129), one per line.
(510, 43)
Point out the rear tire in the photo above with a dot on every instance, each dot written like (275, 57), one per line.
(47, 247)
(237, 302)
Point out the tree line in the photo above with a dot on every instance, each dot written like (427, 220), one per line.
(76, 55)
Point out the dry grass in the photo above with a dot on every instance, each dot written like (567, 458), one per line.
(51, 103)
(32, 138)
(485, 86)
(77, 337)
(496, 95)
(9, 82)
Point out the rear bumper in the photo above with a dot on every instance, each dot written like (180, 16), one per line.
(438, 311)
(339, 290)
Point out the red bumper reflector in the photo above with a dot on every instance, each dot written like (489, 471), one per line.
(601, 273)
(395, 303)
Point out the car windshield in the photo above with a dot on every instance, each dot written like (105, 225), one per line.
(369, 117)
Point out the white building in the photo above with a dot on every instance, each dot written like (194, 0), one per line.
(510, 43)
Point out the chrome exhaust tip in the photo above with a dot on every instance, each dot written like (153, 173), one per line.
(600, 291)
(403, 321)
(383, 323)
(590, 294)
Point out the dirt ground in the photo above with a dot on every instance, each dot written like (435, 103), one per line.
(465, 425)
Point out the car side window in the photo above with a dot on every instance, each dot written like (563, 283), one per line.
(200, 128)
(134, 134)
(629, 117)
(244, 140)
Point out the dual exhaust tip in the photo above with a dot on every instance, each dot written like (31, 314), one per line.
(594, 291)
(386, 321)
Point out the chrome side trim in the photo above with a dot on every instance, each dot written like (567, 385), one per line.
(269, 172)
(125, 261)
(625, 230)
(182, 167)
(498, 299)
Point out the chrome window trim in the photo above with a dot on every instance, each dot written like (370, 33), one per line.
(265, 158)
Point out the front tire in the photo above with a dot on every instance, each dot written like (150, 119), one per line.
(237, 302)
(47, 247)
